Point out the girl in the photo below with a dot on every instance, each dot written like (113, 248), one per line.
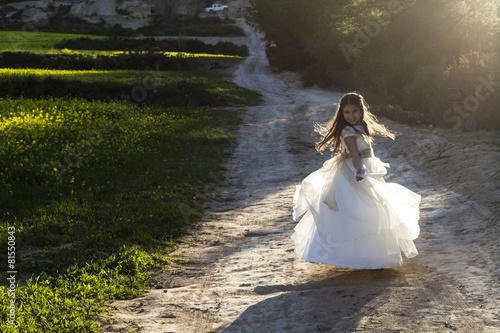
(350, 216)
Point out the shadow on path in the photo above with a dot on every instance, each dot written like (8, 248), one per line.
(336, 303)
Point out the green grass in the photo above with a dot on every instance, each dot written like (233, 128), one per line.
(35, 41)
(97, 193)
(70, 302)
(120, 84)
(297, 146)
(116, 77)
(44, 42)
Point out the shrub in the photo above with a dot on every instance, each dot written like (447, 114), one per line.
(132, 60)
(7, 9)
(174, 45)
(216, 28)
(467, 96)
(6, 2)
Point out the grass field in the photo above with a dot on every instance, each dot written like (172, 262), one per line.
(83, 183)
(94, 193)
(117, 84)
(35, 41)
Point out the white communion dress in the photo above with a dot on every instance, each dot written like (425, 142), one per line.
(359, 225)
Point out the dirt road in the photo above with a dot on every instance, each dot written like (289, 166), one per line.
(246, 277)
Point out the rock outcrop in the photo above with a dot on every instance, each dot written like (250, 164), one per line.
(93, 10)
(37, 16)
(135, 9)
(127, 13)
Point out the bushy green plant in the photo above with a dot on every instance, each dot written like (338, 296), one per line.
(132, 60)
(50, 7)
(184, 45)
(467, 95)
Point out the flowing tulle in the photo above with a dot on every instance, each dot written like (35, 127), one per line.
(362, 225)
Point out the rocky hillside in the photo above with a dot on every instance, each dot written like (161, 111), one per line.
(127, 13)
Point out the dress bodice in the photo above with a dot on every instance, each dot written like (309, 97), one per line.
(361, 140)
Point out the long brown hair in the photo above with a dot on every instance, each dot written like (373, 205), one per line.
(331, 131)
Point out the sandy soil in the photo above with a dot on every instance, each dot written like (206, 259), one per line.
(246, 277)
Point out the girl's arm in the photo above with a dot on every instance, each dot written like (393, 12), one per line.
(350, 142)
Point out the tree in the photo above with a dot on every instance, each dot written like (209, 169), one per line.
(194, 8)
(167, 9)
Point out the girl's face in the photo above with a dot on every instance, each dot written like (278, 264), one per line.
(352, 114)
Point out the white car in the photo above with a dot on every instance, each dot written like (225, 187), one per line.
(216, 8)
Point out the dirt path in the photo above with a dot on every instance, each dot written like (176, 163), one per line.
(246, 277)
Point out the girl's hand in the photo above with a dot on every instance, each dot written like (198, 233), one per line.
(360, 173)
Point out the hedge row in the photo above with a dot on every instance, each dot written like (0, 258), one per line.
(177, 45)
(131, 61)
(179, 94)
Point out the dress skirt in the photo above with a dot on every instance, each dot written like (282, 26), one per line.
(359, 225)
